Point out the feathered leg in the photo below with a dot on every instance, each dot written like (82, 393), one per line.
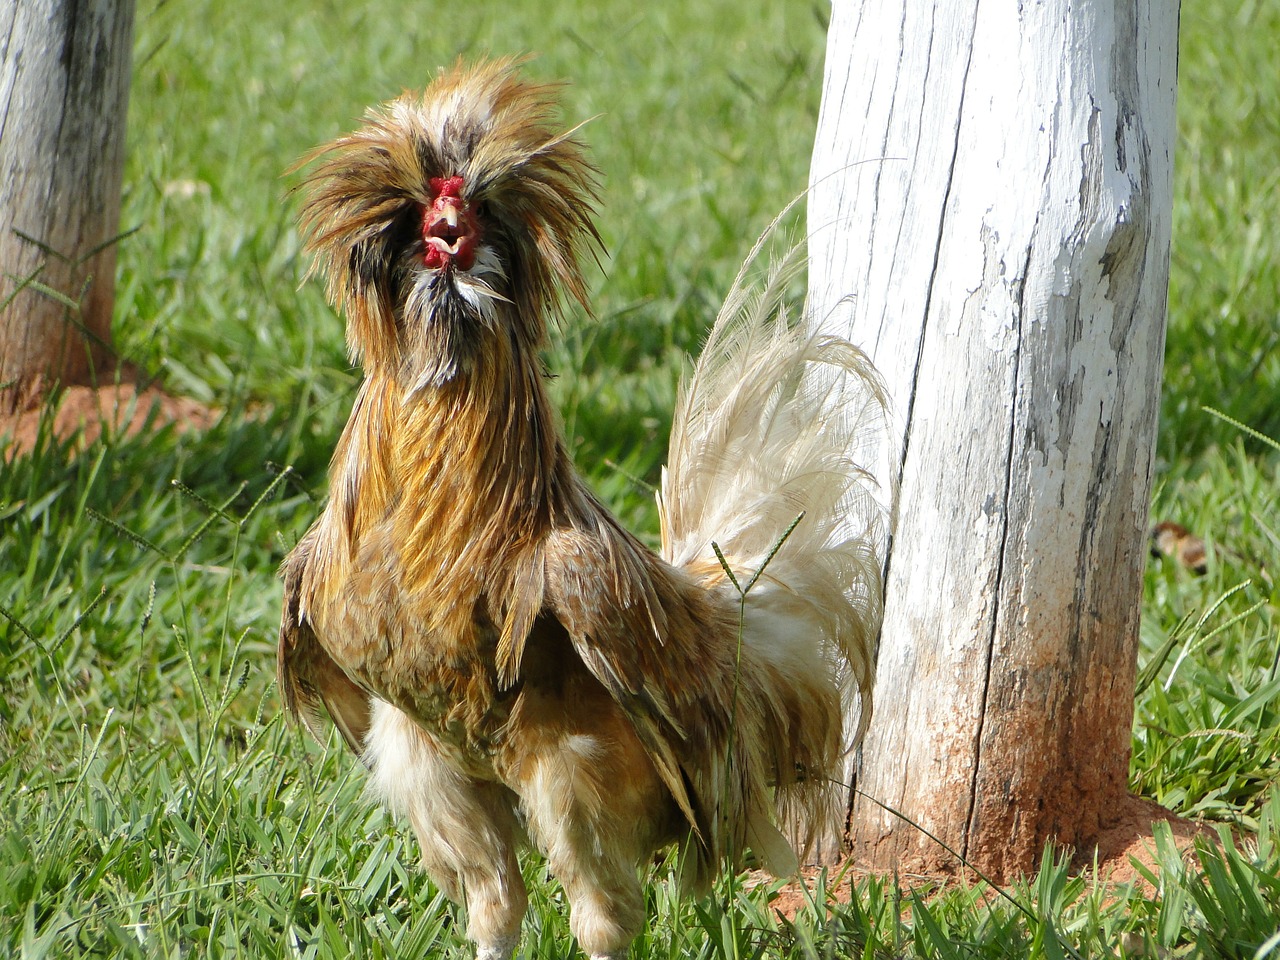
(594, 804)
(606, 903)
(466, 828)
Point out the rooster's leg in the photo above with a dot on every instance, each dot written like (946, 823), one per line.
(466, 827)
(595, 805)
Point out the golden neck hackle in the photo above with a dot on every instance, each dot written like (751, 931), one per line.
(481, 462)
(481, 459)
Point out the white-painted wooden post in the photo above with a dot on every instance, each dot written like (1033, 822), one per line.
(990, 219)
(64, 90)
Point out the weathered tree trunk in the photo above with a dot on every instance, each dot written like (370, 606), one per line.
(64, 86)
(990, 218)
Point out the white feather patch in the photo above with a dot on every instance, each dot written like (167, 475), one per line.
(766, 431)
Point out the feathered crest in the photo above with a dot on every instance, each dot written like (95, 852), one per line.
(528, 179)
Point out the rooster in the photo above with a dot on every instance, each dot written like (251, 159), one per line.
(511, 665)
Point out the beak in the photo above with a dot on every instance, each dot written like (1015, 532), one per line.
(448, 213)
(450, 234)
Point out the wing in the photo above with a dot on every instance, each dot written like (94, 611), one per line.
(311, 683)
(648, 635)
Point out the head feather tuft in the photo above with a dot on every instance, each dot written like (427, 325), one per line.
(529, 178)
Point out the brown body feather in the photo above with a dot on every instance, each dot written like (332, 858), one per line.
(506, 657)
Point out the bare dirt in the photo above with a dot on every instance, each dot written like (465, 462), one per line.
(1122, 853)
(83, 413)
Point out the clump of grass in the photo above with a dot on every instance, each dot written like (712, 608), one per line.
(1224, 287)
(1207, 731)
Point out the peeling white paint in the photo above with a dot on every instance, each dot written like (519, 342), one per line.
(1004, 258)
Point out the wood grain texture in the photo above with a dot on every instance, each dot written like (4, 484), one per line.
(990, 219)
(64, 87)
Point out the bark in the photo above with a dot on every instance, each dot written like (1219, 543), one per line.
(64, 85)
(990, 218)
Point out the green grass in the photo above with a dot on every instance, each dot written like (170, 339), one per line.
(1224, 290)
(152, 801)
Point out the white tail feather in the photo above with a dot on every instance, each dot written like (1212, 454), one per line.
(766, 430)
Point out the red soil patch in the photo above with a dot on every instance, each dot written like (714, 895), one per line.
(1121, 849)
(83, 413)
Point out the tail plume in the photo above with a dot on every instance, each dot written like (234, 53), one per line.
(766, 431)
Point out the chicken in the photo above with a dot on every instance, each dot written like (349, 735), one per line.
(510, 664)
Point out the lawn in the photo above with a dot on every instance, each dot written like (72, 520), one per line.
(153, 803)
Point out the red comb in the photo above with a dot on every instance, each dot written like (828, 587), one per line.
(445, 187)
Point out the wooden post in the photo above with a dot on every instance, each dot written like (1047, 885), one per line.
(990, 218)
(64, 87)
